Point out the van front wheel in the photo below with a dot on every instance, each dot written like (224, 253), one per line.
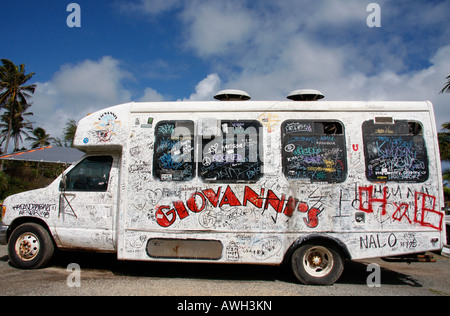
(317, 264)
(30, 246)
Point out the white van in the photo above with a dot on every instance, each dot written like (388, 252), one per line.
(261, 182)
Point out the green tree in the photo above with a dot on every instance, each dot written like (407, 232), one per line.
(444, 142)
(13, 123)
(40, 138)
(444, 145)
(444, 134)
(69, 132)
(14, 95)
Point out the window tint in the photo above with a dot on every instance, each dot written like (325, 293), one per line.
(314, 150)
(91, 174)
(173, 158)
(231, 151)
(395, 152)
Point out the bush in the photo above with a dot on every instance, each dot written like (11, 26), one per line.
(20, 176)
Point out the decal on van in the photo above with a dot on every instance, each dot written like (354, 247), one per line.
(106, 126)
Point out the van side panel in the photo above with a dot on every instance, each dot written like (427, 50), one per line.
(259, 219)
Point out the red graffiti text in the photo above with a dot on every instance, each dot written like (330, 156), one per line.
(425, 213)
(166, 215)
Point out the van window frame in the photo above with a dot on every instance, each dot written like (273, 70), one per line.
(217, 170)
(407, 133)
(184, 168)
(327, 134)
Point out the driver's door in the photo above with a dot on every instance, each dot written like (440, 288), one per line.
(88, 203)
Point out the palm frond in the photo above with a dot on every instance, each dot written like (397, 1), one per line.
(446, 88)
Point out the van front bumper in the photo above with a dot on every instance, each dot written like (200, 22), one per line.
(3, 234)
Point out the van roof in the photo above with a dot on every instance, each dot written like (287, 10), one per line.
(278, 106)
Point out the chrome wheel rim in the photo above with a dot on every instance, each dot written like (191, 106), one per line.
(318, 261)
(27, 246)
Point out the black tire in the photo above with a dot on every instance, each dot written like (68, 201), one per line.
(30, 246)
(317, 263)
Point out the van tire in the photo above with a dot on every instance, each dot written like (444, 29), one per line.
(30, 246)
(317, 263)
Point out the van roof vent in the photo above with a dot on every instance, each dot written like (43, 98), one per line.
(305, 95)
(232, 95)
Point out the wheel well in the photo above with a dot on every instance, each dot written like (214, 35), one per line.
(22, 220)
(322, 240)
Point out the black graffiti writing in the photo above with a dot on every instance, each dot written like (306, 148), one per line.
(378, 241)
(39, 210)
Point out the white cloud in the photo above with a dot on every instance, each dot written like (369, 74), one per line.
(151, 95)
(76, 90)
(95, 81)
(205, 89)
(216, 27)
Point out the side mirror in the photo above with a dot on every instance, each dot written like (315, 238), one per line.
(62, 184)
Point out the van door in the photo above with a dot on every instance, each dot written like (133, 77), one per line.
(88, 203)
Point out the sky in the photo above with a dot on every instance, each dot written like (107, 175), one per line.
(108, 52)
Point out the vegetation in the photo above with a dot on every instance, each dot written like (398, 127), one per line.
(14, 100)
(22, 176)
(40, 138)
(15, 95)
(444, 146)
(446, 88)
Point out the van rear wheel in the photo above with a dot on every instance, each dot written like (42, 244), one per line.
(30, 246)
(317, 264)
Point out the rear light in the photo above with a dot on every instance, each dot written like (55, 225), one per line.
(3, 211)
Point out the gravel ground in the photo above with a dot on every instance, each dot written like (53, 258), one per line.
(102, 274)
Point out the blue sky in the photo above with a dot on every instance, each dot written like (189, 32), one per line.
(165, 50)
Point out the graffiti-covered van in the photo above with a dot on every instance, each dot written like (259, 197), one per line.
(304, 181)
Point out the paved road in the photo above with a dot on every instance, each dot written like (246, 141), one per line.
(102, 274)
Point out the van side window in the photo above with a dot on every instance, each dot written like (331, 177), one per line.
(395, 151)
(173, 158)
(314, 150)
(90, 175)
(232, 152)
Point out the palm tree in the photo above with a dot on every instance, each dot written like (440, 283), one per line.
(68, 135)
(69, 132)
(12, 80)
(18, 129)
(13, 124)
(40, 138)
(14, 98)
(444, 134)
(444, 141)
(446, 88)
(444, 145)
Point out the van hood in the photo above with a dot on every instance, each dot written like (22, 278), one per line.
(34, 203)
